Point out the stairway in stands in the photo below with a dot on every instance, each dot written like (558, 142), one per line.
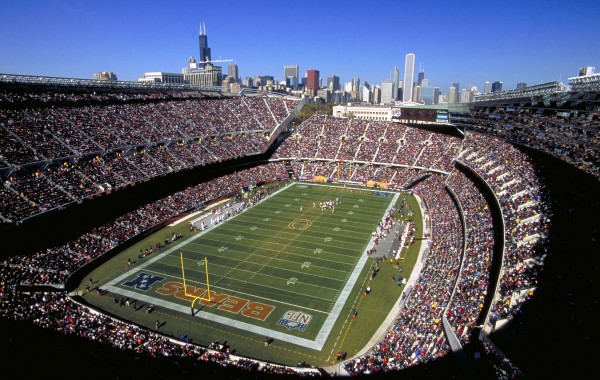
(290, 169)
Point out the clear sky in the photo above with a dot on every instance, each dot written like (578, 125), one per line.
(469, 42)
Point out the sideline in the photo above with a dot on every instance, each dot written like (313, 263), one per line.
(395, 311)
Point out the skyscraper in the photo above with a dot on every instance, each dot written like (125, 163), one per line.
(356, 88)
(232, 71)
(466, 95)
(396, 82)
(416, 92)
(429, 95)
(421, 77)
(333, 82)
(376, 94)
(204, 49)
(452, 95)
(456, 98)
(409, 77)
(486, 87)
(312, 82)
(387, 91)
(355, 84)
(291, 71)
(366, 93)
(496, 86)
(521, 85)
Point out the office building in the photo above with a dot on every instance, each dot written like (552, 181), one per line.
(429, 95)
(421, 78)
(333, 83)
(396, 82)
(312, 82)
(210, 75)
(363, 112)
(387, 92)
(415, 95)
(496, 86)
(468, 94)
(376, 95)
(356, 84)
(521, 85)
(232, 72)
(399, 93)
(348, 87)
(456, 99)
(291, 82)
(105, 75)
(356, 89)
(366, 92)
(291, 71)
(262, 80)
(204, 49)
(324, 94)
(452, 95)
(486, 87)
(409, 77)
(162, 77)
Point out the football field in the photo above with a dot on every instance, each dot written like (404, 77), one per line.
(284, 268)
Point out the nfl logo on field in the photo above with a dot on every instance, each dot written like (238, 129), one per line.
(295, 320)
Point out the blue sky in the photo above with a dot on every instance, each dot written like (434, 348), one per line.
(468, 42)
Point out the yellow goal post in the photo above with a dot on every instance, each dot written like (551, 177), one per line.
(196, 298)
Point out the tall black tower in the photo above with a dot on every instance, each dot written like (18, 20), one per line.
(204, 49)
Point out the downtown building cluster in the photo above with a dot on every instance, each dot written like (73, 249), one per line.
(405, 88)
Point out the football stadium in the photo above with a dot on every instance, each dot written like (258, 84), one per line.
(227, 237)
(200, 225)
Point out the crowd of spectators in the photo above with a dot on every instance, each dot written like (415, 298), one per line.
(80, 145)
(53, 98)
(327, 137)
(473, 280)
(512, 178)
(572, 138)
(417, 337)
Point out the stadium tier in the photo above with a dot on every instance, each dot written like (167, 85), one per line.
(567, 135)
(58, 149)
(61, 148)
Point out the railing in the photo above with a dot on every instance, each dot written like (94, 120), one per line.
(80, 82)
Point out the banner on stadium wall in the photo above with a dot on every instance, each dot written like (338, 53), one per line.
(378, 184)
(318, 178)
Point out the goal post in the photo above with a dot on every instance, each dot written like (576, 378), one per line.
(196, 298)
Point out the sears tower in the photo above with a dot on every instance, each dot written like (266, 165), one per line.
(204, 49)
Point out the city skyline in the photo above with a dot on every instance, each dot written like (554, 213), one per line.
(510, 42)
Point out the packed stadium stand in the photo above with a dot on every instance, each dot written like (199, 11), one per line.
(488, 216)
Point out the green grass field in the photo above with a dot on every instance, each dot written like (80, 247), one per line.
(281, 269)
